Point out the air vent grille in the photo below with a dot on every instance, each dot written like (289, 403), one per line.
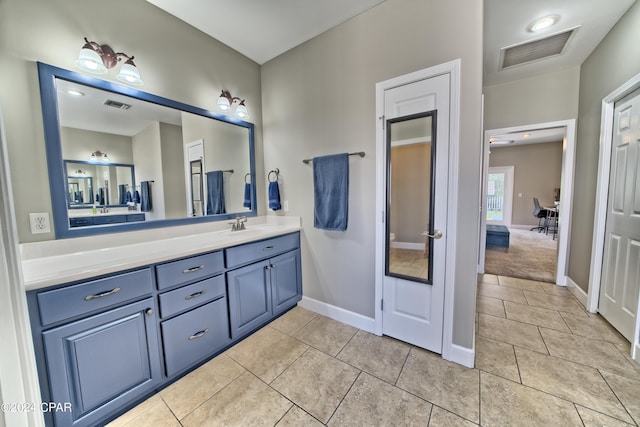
(535, 50)
(116, 104)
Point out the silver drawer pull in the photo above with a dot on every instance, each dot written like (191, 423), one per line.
(198, 334)
(268, 248)
(195, 294)
(101, 295)
(193, 269)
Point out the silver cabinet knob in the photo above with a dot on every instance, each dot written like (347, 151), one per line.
(148, 312)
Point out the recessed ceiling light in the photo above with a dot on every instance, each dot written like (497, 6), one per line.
(542, 23)
(74, 92)
(526, 135)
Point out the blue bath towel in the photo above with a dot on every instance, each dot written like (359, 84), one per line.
(128, 197)
(136, 196)
(247, 195)
(145, 200)
(331, 192)
(215, 193)
(122, 191)
(274, 196)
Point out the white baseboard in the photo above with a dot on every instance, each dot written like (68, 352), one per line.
(356, 320)
(523, 226)
(576, 291)
(461, 355)
(408, 245)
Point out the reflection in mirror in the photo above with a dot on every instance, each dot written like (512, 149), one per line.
(145, 137)
(196, 187)
(410, 183)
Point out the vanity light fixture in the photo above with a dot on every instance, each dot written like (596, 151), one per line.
(98, 59)
(542, 23)
(79, 172)
(75, 92)
(99, 156)
(226, 101)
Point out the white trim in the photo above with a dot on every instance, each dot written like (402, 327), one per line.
(577, 291)
(602, 188)
(453, 68)
(507, 200)
(462, 355)
(566, 195)
(18, 372)
(340, 314)
(408, 245)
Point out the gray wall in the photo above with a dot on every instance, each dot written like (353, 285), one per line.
(78, 144)
(176, 61)
(537, 170)
(611, 64)
(319, 98)
(147, 155)
(172, 155)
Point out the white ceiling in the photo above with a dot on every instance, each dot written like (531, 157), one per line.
(260, 29)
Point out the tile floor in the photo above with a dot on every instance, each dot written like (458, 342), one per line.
(541, 360)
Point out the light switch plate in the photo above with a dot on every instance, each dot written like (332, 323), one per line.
(39, 223)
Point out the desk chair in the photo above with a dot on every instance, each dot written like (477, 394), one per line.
(540, 213)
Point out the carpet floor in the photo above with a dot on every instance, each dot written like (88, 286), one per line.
(531, 255)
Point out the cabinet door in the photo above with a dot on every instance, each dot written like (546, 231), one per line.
(286, 282)
(101, 363)
(249, 298)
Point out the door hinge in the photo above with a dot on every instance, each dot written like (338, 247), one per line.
(381, 118)
(381, 305)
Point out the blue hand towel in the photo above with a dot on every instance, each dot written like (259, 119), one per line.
(247, 195)
(128, 198)
(145, 200)
(274, 196)
(136, 196)
(215, 193)
(331, 192)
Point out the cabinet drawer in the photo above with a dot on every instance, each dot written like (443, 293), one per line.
(135, 217)
(80, 222)
(250, 252)
(71, 301)
(192, 336)
(189, 296)
(189, 269)
(109, 219)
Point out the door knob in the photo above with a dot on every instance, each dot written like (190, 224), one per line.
(436, 235)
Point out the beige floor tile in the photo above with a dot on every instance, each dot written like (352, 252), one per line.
(446, 384)
(535, 316)
(497, 358)
(247, 401)
(492, 306)
(570, 381)
(374, 402)
(597, 354)
(382, 357)
(488, 278)
(267, 353)
(553, 289)
(524, 284)
(592, 418)
(296, 417)
(444, 418)
(130, 415)
(293, 320)
(198, 386)
(628, 391)
(594, 326)
(326, 334)
(511, 332)
(502, 292)
(316, 382)
(505, 403)
(159, 415)
(564, 303)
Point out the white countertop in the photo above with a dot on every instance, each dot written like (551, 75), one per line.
(61, 261)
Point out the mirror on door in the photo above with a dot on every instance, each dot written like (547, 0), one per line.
(409, 224)
(197, 194)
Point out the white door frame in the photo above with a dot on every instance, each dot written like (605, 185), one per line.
(507, 200)
(602, 195)
(187, 174)
(449, 350)
(566, 195)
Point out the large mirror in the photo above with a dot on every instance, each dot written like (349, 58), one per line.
(410, 184)
(133, 155)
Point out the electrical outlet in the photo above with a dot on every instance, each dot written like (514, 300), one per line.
(39, 223)
(286, 206)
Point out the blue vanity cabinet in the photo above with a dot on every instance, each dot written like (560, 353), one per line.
(269, 285)
(101, 363)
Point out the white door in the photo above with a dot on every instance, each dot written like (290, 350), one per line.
(194, 151)
(620, 285)
(413, 298)
(500, 195)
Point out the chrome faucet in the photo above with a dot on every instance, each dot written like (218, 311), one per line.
(104, 209)
(239, 223)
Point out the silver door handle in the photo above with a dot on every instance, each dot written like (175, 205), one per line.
(436, 235)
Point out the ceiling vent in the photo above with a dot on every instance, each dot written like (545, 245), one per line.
(527, 52)
(116, 104)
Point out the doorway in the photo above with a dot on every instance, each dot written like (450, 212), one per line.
(500, 195)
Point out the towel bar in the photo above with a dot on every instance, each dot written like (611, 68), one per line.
(359, 153)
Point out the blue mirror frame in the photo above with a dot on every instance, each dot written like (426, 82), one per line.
(55, 163)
